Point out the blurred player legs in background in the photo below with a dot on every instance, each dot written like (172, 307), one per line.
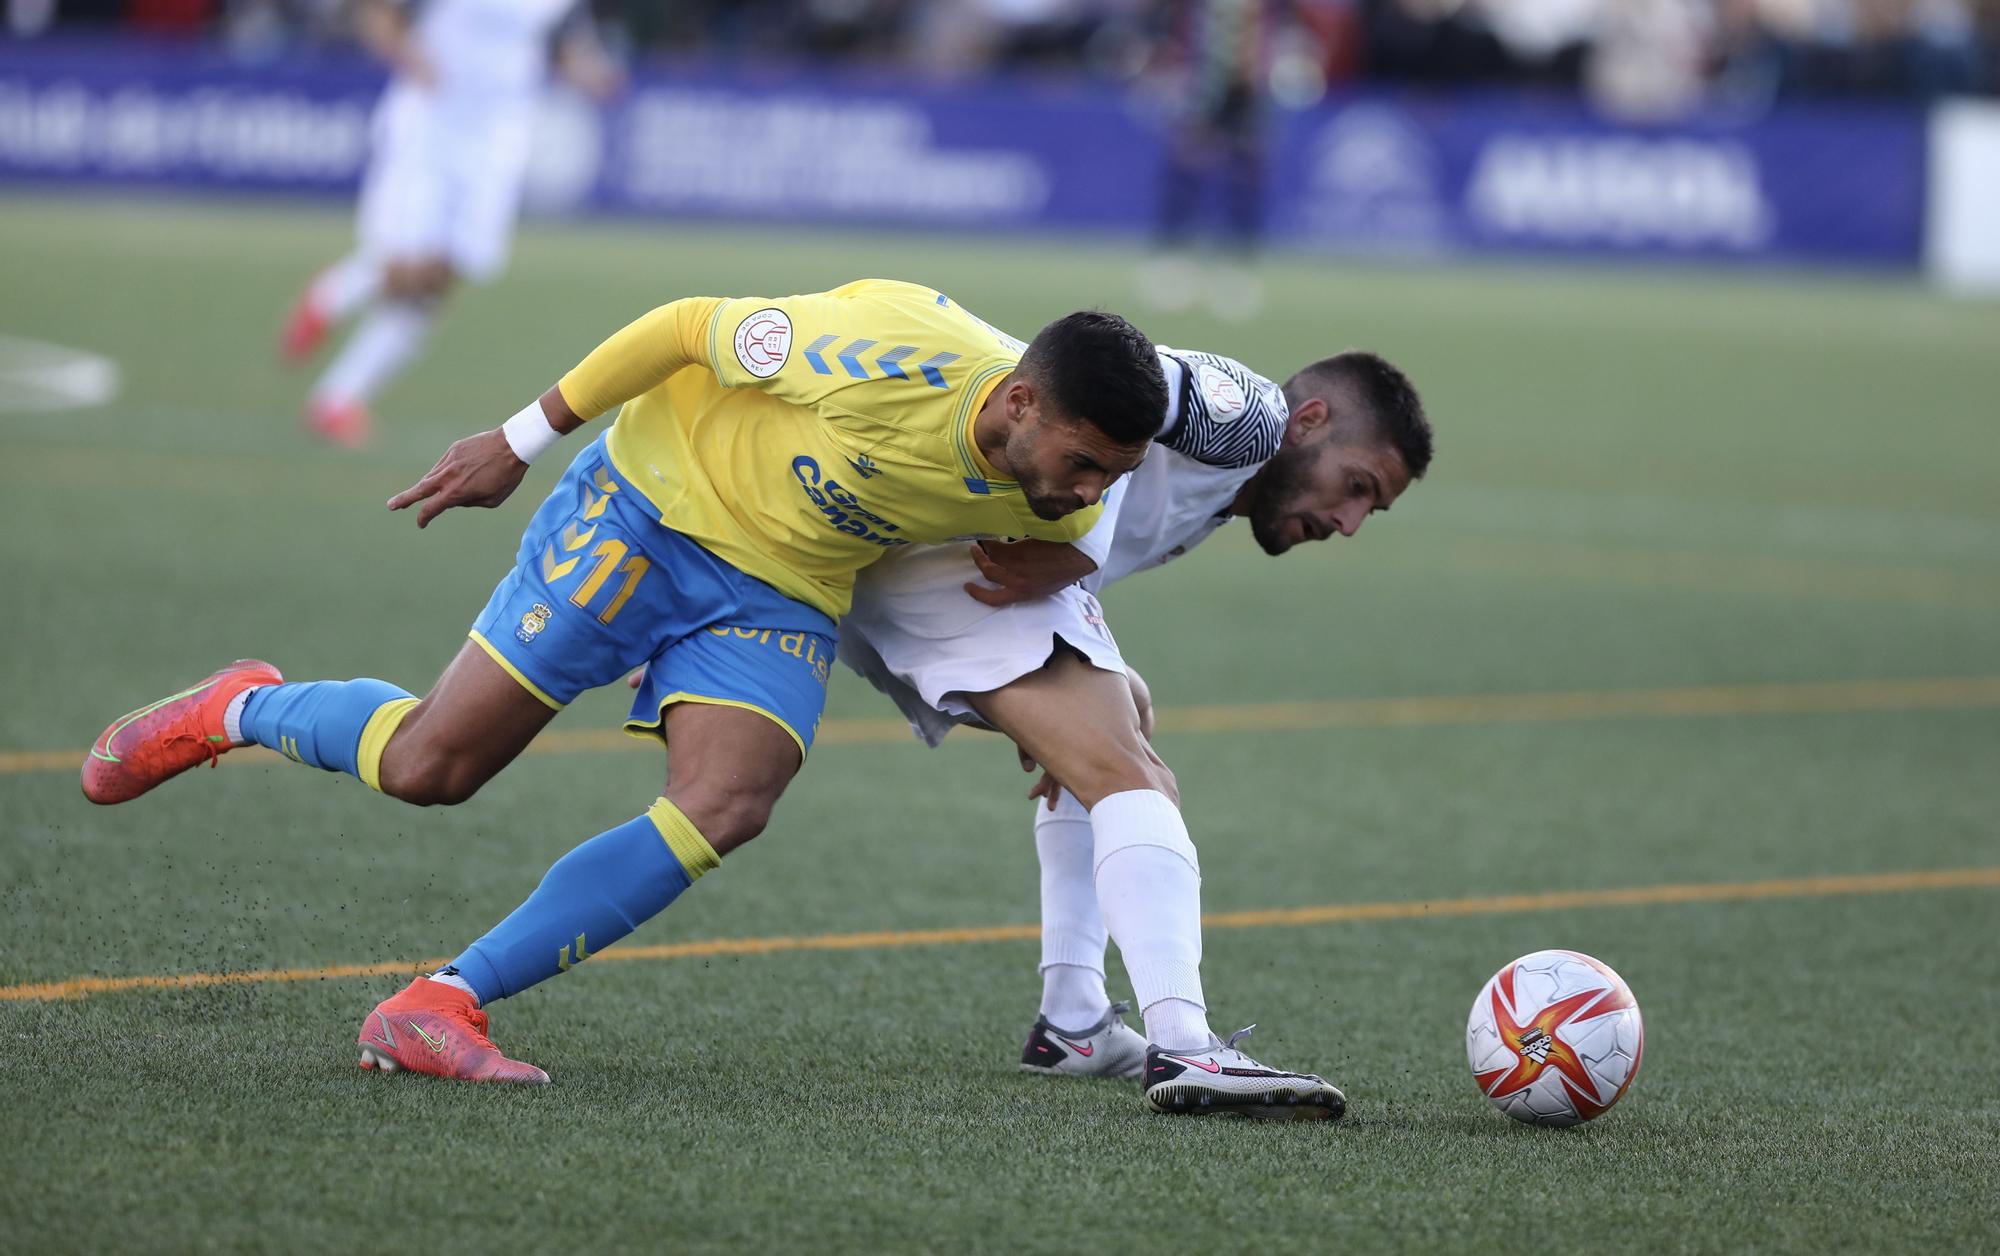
(443, 186)
(1216, 143)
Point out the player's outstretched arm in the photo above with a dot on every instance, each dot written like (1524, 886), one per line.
(1026, 570)
(1030, 569)
(484, 470)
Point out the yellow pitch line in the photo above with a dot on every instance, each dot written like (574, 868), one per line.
(1283, 917)
(1710, 572)
(1775, 699)
(1807, 698)
(14, 762)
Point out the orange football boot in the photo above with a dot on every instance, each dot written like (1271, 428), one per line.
(439, 1029)
(305, 327)
(344, 423)
(166, 738)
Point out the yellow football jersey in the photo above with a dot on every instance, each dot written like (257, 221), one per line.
(801, 438)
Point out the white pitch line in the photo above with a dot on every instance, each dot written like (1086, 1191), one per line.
(37, 377)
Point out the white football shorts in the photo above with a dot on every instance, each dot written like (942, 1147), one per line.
(919, 637)
(444, 179)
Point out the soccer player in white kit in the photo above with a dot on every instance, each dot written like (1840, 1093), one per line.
(1032, 658)
(443, 185)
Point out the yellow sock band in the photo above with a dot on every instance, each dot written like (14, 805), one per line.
(375, 735)
(683, 838)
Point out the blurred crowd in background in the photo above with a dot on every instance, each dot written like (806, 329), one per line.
(1634, 57)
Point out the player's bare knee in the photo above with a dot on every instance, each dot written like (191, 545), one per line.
(727, 813)
(422, 282)
(455, 783)
(434, 788)
(1158, 776)
(1118, 771)
(398, 281)
(433, 280)
(426, 776)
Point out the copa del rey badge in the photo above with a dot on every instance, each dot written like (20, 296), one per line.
(1225, 396)
(763, 342)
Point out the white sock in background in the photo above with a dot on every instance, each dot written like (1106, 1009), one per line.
(384, 343)
(1073, 936)
(347, 285)
(1149, 891)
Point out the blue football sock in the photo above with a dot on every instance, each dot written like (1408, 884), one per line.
(339, 725)
(592, 897)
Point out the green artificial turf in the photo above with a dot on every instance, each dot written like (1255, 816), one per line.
(1645, 480)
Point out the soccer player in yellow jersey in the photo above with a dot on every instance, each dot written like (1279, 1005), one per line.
(767, 450)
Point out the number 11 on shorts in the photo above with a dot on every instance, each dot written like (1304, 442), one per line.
(608, 556)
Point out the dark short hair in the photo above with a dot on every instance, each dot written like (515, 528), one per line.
(1385, 394)
(1095, 367)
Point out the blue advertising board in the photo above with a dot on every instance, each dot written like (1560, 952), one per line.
(800, 150)
(1375, 173)
(120, 113)
(1484, 173)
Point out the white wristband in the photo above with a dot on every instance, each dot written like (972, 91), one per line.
(529, 434)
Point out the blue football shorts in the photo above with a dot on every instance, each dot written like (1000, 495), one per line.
(601, 586)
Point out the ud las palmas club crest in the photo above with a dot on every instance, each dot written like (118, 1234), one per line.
(533, 620)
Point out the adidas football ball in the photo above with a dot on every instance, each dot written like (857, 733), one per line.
(1554, 1038)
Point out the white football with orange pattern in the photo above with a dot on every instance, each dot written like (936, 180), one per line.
(1555, 1038)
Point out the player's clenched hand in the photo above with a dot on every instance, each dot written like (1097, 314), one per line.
(1026, 570)
(480, 470)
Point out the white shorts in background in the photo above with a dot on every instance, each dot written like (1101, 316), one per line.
(444, 179)
(919, 637)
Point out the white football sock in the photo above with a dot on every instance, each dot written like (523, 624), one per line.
(384, 343)
(1073, 998)
(456, 982)
(347, 285)
(1172, 1021)
(1149, 891)
(1073, 936)
(232, 716)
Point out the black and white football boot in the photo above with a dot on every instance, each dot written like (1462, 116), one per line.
(1110, 1048)
(1223, 1079)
